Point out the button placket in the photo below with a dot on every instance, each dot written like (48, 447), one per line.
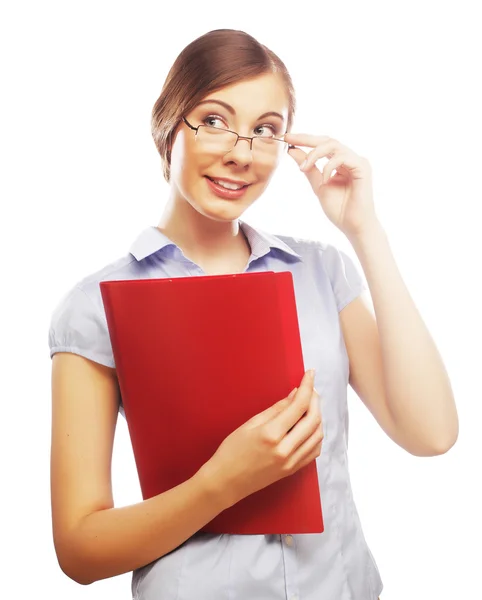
(288, 545)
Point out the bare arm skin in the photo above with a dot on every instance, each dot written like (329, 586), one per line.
(93, 540)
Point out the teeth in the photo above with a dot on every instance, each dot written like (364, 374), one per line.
(229, 186)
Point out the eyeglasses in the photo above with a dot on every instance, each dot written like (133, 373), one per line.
(221, 141)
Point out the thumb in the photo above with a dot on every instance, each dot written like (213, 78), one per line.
(314, 175)
(297, 154)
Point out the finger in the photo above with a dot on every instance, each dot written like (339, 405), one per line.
(313, 175)
(326, 150)
(294, 411)
(272, 411)
(307, 452)
(303, 429)
(305, 139)
(298, 155)
(314, 406)
(350, 164)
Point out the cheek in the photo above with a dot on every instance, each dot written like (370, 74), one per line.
(184, 156)
(267, 172)
(179, 160)
(187, 164)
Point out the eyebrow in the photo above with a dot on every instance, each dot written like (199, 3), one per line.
(229, 108)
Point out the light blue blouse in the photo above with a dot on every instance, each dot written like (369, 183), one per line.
(334, 565)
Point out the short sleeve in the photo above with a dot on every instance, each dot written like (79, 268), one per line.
(345, 277)
(78, 326)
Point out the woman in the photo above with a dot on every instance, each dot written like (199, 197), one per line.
(221, 120)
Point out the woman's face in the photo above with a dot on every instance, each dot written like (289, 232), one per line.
(194, 160)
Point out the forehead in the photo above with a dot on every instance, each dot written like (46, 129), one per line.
(255, 96)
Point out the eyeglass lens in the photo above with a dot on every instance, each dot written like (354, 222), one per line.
(219, 140)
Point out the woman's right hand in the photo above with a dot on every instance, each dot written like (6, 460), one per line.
(271, 445)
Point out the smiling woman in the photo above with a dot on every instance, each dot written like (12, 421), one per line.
(217, 60)
(219, 125)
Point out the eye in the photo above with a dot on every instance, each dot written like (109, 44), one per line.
(273, 130)
(206, 120)
(269, 129)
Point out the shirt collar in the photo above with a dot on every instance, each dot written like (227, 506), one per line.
(152, 240)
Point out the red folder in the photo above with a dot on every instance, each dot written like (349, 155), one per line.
(197, 357)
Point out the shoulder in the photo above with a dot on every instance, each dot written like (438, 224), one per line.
(121, 268)
(307, 248)
(78, 323)
(329, 263)
(86, 293)
(328, 255)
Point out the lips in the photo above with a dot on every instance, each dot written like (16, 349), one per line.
(222, 180)
(225, 193)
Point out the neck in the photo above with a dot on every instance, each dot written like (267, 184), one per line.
(200, 237)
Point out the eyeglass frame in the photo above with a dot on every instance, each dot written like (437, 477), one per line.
(242, 137)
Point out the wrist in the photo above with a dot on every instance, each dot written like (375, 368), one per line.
(214, 487)
(371, 231)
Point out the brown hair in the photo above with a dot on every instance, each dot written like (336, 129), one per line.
(218, 58)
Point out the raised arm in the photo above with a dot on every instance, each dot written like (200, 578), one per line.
(93, 540)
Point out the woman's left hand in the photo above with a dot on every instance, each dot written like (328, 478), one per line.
(347, 196)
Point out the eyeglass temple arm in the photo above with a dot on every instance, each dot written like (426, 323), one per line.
(189, 124)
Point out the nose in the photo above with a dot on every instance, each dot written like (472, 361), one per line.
(241, 153)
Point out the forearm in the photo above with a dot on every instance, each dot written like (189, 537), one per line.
(418, 389)
(118, 540)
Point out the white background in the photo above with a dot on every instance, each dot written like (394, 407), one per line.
(396, 82)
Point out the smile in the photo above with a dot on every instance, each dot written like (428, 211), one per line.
(226, 190)
(228, 185)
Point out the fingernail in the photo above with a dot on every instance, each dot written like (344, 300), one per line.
(303, 165)
(311, 373)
